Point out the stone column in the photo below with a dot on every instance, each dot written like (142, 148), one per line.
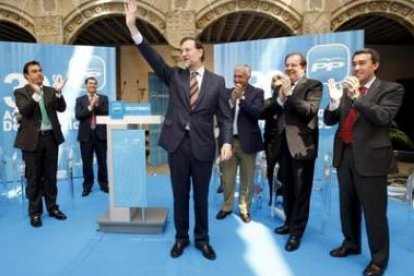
(48, 29)
(179, 24)
(316, 22)
(316, 19)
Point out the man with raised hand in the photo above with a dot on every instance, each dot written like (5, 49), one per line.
(195, 96)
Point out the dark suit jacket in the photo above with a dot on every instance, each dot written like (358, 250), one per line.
(28, 133)
(300, 113)
(250, 108)
(212, 100)
(83, 114)
(371, 144)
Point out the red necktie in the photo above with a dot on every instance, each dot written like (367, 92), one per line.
(345, 132)
(93, 117)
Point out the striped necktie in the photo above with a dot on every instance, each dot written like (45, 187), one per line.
(194, 90)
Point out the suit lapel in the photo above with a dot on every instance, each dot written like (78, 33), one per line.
(299, 86)
(204, 83)
(185, 95)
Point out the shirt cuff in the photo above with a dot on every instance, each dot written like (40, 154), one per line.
(279, 102)
(333, 105)
(36, 97)
(59, 94)
(137, 38)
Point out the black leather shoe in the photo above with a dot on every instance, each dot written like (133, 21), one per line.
(35, 221)
(86, 193)
(246, 218)
(343, 252)
(105, 190)
(222, 214)
(373, 270)
(57, 214)
(207, 250)
(293, 243)
(178, 248)
(282, 230)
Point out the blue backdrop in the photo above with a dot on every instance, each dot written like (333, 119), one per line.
(328, 55)
(58, 61)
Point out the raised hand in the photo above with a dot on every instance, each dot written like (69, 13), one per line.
(335, 90)
(59, 84)
(130, 15)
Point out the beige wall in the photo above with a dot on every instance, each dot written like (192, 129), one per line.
(133, 67)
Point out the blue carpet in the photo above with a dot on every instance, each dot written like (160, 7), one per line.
(75, 247)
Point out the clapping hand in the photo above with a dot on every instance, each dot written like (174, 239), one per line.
(352, 84)
(59, 84)
(37, 89)
(237, 93)
(335, 91)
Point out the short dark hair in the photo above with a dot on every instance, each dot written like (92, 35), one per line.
(197, 44)
(302, 58)
(90, 78)
(30, 63)
(375, 56)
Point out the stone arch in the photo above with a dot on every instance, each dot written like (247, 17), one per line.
(400, 11)
(90, 11)
(286, 15)
(19, 17)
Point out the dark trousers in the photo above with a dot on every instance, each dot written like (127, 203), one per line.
(297, 179)
(272, 150)
(41, 169)
(87, 150)
(370, 193)
(186, 169)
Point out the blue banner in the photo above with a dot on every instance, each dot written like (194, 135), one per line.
(74, 63)
(328, 55)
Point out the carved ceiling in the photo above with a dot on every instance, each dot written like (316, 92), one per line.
(239, 26)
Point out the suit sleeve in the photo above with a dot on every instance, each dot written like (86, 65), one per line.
(253, 108)
(330, 117)
(382, 113)
(81, 111)
(59, 103)
(102, 108)
(157, 63)
(309, 106)
(25, 102)
(224, 118)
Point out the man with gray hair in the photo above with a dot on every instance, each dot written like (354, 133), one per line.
(246, 102)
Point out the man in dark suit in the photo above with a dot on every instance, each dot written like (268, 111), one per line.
(296, 105)
(246, 102)
(39, 136)
(363, 155)
(92, 137)
(188, 131)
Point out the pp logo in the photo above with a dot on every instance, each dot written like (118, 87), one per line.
(91, 66)
(328, 61)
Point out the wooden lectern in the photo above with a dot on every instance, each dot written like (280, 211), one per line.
(126, 191)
